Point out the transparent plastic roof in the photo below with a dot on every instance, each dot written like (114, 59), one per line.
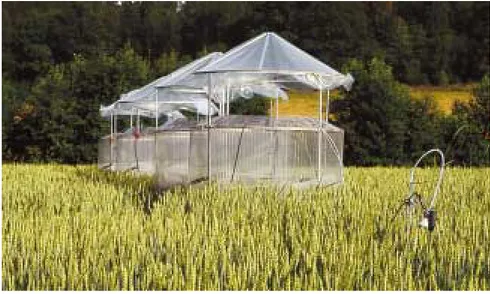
(268, 54)
(195, 103)
(183, 77)
(264, 66)
(178, 90)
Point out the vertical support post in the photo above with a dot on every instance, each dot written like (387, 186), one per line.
(209, 127)
(155, 155)
(222, 102)
(111, 138)
(115, 123)
(115, 133)
(156, 109)
(112, 123)
(271, 109)
(320, 122)
(131, 119)
(320, 113)
(228, 98)
(327, 105)
(277, 103)
(138, 124)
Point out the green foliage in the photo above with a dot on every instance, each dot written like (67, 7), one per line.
(467, 133)
(421, 41)
(61, 121)
(423, 129)
(253, 106)
(95, 51)
(383, 126)
(374, 115)
(480, 105)
(443, 78)
(167, 63)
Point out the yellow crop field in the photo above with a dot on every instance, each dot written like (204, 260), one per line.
(444, 96)
(301, 104)
(74, 228)
(306, 104)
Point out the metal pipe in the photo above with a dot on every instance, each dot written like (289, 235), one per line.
(320, 121)
(138, 123)
(439, 181)
(155, 156)
(115, 131)
(111, 138)
(131, 119)
(115, 119)
(209, 128)
(222, 103)
(277, 103)
(327, 105)
(156, 109)
(320, 108)
(228, 94)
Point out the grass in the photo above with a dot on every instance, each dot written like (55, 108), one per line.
(73, 228)
(306, 104)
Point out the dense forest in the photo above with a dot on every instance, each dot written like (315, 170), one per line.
(62, 60)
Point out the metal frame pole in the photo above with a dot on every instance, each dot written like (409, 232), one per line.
(320, 121)
(115, 120)
(156, 109)
(111, 138)
(228, 97)
(155, 155)
(209, 127)
(222, 102)
(327, 105)
(277, 103)
(115, 132)
(138, 123)
(131, 119)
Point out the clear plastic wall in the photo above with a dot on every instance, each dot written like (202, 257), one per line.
(172, 158)
(243, 149)
(126, 152)
(278, 156)
(104, 153)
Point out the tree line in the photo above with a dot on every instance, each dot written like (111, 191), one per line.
(61, 61)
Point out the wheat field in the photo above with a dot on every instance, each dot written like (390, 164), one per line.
(74, 228)
(306, 104)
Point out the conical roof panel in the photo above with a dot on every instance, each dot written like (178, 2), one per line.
(184, 76)
(268, 53)
(181, 77)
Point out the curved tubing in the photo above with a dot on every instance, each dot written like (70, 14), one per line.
(439, 181)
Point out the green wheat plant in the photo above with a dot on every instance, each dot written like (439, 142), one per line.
(78, 228)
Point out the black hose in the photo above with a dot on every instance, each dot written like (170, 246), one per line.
(237, 153)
